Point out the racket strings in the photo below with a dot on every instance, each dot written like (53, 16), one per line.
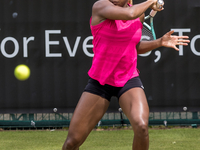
(146, 34)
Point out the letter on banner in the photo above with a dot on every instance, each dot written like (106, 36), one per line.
(192, 45)
(48, 43)
(16, 45)
(25, 44)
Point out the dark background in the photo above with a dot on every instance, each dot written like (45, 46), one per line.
(170, 84)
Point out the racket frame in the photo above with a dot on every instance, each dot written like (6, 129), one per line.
(151, 26)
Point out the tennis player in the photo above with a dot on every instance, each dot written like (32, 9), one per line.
(116, 27)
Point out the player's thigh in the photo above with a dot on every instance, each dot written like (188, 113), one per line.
(89, 110)
(134, 104)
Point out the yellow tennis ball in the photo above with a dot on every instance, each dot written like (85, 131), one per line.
(22, 72)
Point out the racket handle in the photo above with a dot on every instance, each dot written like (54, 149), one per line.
(153, 13)
(159, 6)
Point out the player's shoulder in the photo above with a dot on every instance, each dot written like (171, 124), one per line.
(101, 4)
(97, 10)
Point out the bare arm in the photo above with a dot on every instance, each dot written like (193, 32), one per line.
(145, 46)
(167, 40)
(104, 9)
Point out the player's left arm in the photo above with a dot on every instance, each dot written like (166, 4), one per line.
(167, 40)
(146, 46)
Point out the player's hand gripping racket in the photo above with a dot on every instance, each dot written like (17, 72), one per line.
(148, 30)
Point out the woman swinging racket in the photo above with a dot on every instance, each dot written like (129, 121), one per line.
(116, 28)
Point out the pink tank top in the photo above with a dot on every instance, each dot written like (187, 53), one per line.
(115, 54)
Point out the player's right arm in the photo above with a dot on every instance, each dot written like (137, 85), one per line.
(105, 9)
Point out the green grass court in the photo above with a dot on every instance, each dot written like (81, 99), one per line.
(160, 139)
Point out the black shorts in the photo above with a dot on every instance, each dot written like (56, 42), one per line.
(107, 91)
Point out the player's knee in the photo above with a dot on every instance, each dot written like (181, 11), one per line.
(141, 130)
(71, 144)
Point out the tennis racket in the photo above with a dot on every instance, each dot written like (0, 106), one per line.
(148, 32)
